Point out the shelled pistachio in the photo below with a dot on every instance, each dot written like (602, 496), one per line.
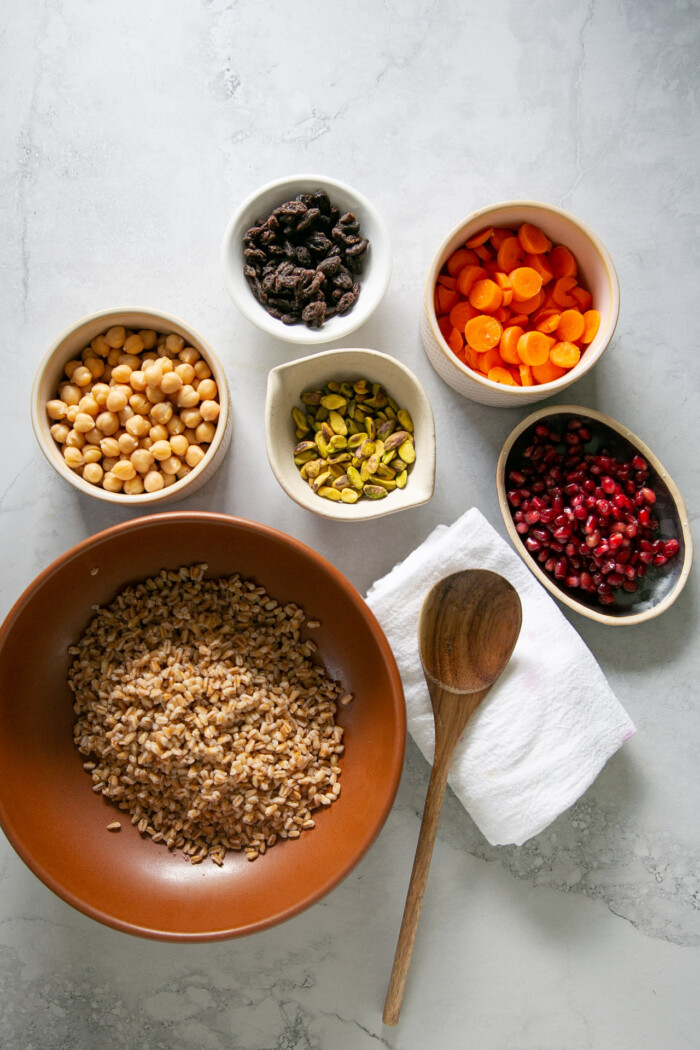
(353, 441)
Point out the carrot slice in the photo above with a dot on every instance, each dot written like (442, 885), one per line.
(508, 346)
(592, 320)
(485, 296)
(471, 357)
(498, 236)
(461, 313)
(490, 359)
(468, 276)
(541, 264)
(571, 326)
(483, 332)
(447, 298)
(509, 254)
(507, 296)
(547, 372)
(561, 293)
(533, 348)
(528, 306)
(583, 297)
(502, 280)
(546, 321)
(459, 259)
(447, 281)
(564, 354)
(483, 253)
(480, 238)
(526, 375)
(502, 314)
(526, 282)
(521, 319)
(533, 240)
(498, 374)
(445, 325)
(455, 341)
(515, 372)
(562, 262)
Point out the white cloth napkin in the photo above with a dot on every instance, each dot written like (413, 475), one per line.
(549, 724)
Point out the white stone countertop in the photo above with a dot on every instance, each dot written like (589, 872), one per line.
(130, 131)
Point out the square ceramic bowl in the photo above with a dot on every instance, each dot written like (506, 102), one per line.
(374, 278)
(69, 346)
(599, 277)
(284, 387)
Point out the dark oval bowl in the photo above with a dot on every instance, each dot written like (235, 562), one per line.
(661, 586)
(58, 825)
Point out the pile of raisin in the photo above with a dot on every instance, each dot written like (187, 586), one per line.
(303, 260)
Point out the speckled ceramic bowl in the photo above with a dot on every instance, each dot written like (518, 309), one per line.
(599, 277)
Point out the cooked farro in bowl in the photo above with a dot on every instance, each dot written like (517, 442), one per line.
(198, 704)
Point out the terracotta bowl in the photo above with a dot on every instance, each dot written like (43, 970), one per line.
(661, 586)
(58, 825)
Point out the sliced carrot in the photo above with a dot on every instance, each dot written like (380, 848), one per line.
(521, 319)
(485, 296)
(515, 372)
(483, 253)
(561, 293)
(483, 332)
(541, 264)
(446, 281)
(480, 238)
(546, 321)
(583, 297)
(525, 282)
(498, 236)
(445, 325)
(471, 357)
(508, 346)
(497, 374)
(490, 359)
(571, 326)
(491, 267)
(528, 306)
(509, 254)
(455, 341)
(533, 348)
(502, 280)
(562, 262)
(533, 240)
(461, 313)
(447, 298)
(459, 259)
(526, 375)
(592, 320)
(507, 296)
(467, 277)
(547, 372)
(502, 314)
(564, 354)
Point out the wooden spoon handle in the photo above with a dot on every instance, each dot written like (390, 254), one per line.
(416, 888)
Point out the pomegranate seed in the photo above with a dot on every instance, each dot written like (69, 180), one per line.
(639, 463)
(671, 547)
(629, 585)
(603, 507)
(608, 485)
(560, 569)
(532, 544)
(532, 517)
(572, 581)
(644, 516)
(660, 559)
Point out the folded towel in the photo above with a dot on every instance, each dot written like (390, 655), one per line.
(551, 721)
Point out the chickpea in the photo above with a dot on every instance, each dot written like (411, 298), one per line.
(124, 470)
(112, 483)
(175, 425)
(109, 446)
(142, 460)
(75, 439)
(91, 454)
(179, 444)
(94, 436)
(146, 442)
(205, 433)
(174, 343)
(83, 422)
(113, 357)
(169, 479)
(171, 383)
(140, 404)
(161, 450)
(95, 366)
(161, 413)
(93, 473)
(117, 399)
(158, 433)
(72, 456)
(190, 435)
(70, 367)
(82, 376)
(171, 465)
(189, 355)
(209, 410)
(59, 432)
(99, 393)
(183, 472)
(72, 414)
(138, 426)
(185, 372)
(153, 481)
(115, 336)
(187, 397)
(154, 394)
(122, 373)
(191, 417)
(207, 389)
(108, 462)
(148, 338)
(127, 443)
(153, 374)
(107, 422)
(89, 405)
(126, 413)
(56, 409)
(194, 456)
(137, 380)
(202, 370)
(133, 344)
(70, 393)
(100, 346)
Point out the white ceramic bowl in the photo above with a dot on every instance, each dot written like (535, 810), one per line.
(286, 383)
(374, 278)
(69, 345)
(599, 275)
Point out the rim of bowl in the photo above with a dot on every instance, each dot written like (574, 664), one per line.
(372, 292)
(341, 511)
(560, 593)
(353, 595)
(47, 444)
(587, 361)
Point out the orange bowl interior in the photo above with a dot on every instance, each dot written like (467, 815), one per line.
(57, 823)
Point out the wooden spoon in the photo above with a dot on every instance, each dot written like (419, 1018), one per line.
(469, 624)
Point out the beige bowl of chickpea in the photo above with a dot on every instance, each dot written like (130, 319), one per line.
(132, 406)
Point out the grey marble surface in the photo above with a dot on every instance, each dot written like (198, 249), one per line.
(129, 133)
